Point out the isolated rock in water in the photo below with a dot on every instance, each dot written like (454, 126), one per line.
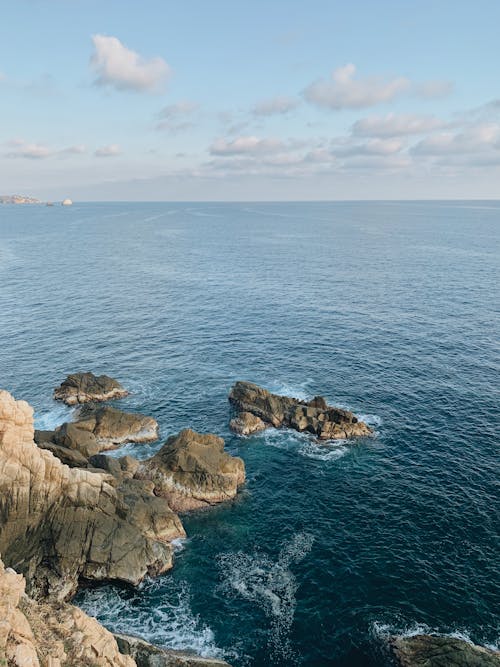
(192, 470)
(432, 651)
(47, 634)
(59, 524)
(112, 427)
(315, 416)
(147, 655)
(85, 387)
(245, 423)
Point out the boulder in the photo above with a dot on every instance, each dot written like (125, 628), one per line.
(60, 524)
(112, 427)
(96, 430)
(125, 466)
(245, 423)
(433, 651)
(315, 416)
(147, 655)
(48, 634)
(85, 387)
(192, 470)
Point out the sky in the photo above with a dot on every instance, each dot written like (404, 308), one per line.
(199, 100)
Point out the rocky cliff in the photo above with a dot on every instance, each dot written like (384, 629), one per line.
(50, 634)
(58, 524)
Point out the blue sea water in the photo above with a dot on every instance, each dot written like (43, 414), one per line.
(389, 309)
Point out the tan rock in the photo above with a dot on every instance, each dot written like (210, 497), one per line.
(112, 427)
(85, 387)
(58, 524)
(245, 423)
(315, 416)
(192, 470)
(50, 634)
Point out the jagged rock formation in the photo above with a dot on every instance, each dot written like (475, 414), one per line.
(58, 524)
(85, 387)
(315, 416)
(50, 634)
(192, 470)
(246, 423)
(147, 655)
(432, 651)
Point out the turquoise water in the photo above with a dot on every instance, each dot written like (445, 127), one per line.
(389, 309)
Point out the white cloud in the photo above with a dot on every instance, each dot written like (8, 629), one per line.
(246, 146)
(475, 139)
(124, 69)
(378, 147)
(395, 125)
(34, 151)
(275, 106)
(111, 150)
(343, 91)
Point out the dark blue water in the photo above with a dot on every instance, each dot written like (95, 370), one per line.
(389, 309)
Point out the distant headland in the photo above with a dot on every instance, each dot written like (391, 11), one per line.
(25, 199)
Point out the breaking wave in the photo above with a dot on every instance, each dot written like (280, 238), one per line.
(169, 622)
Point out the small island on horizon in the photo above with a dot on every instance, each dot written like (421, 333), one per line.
(26, 199)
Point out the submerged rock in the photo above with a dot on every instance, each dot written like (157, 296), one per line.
(147, 655)
(432, 651)
(245, 423)
(315, 416)
(192, 470)
(60, 524)
(85, 387)
(48, 634)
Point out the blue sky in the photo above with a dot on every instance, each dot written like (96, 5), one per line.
(282, 99)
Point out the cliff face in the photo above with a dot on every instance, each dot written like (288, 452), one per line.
(58, 524)
(50, 634)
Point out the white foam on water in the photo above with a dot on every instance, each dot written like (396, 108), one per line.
(327, 451)
(47, 420)
(270, 585)
(304, 444)
(371, 420)
(167, 620)
(299, 390)
(179, 544)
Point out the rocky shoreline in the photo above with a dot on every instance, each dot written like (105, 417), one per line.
(69, 513)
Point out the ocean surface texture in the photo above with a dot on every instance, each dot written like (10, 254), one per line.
(388, 309)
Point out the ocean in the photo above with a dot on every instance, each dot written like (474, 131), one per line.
(390, 309)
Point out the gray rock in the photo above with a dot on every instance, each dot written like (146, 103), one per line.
(84, 387)
(433, 651)
(148, 655)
